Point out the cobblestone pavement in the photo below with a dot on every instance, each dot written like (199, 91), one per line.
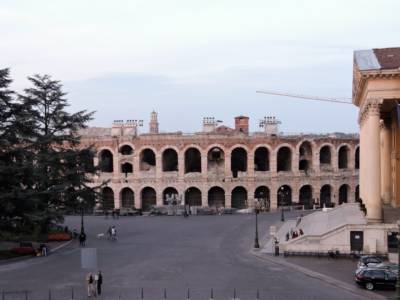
(175, 253)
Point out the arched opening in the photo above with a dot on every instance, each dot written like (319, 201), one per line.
(192, 160)
(284, 158)
(305, 196)
(325, 196)
(126, 168)
(147, 160)
(357, 193)
(193, 196)
(284, 195)
(126, 150)
(239, 197)
(169, 160)
(325, 157)
(216, 197)
(344, 193)
(149, 198)
(261, 159)
(305, 156)
(343, 157)
(107, 198)
(216, 161)
(261, 194)
(357, 158)
(170, 196)
(106, 161)
(127, 198)
(238, 161)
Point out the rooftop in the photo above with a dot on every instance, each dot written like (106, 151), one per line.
(377, 59)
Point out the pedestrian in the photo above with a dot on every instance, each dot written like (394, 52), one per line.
(75, 233)
(287, 236)
(301, 231)
(113, 233)
(90, 285)
(43, 249)
(109, 232)
(82, 239)
(99, 282)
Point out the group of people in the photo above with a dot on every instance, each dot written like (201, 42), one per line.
(94, 282)
(112, 233)
(294, 234)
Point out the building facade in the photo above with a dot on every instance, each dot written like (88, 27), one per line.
(222, 166)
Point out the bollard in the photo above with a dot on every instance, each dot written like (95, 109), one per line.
(142, 294)
(234, 294)
(258, 295)
(188, 294)
(3, 296)
(26, 295)
(72, 293)
(212, 295)
(165, 293)
(49, 294)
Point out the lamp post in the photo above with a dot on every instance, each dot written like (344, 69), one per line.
(256, 211)
(281, 193)
(398, 261)
(81, 200)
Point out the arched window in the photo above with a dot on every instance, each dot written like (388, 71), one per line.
(239, 197)
(325, 196)
(126, 168)
(344, 193)
(107, 198)
(170, 196)
(261, 159)
(106, 161)
(147, 160)
(262, 195)
(284, 195)
(325, 157)
(193, 196)
(192, 160)
(216, 197)
(169, 160)
(126, 150)
(149, 199)
(127, 198)
(216, 160)
(284, 158)
(238, 161)
(305, 156)
(305, 196)
(357, 158)
(343, 157)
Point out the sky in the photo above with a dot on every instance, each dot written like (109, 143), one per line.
(190, 59)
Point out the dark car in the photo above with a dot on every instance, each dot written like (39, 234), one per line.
(372, 278)
(369, 261)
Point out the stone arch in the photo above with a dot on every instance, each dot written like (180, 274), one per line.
(306, 196)
(325, 197)
(325, 156)
(106, 161)
(284, 194)
(305, 152)
(127, 197)
(193, 196)
(239, 197)
(169, 160)
(192, 160)
(147, 159)
(126, 149)
(238, 160)
(261, 159)
(216, 197)
(216, 159)
(107, 198)
(357, 158)
(262, 195)
(148, 197)
(170, 196)
(343, 156)
(284, 159)
(344, 191)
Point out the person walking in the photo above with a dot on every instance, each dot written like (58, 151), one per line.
(109, 233)
(90, 285)
(82, 239)
(99, 282)
(113, 233)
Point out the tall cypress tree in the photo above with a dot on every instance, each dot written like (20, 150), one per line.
(61, 167)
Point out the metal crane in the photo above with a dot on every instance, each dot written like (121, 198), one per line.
(306, 97)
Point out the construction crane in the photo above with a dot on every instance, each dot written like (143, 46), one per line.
(306, 97)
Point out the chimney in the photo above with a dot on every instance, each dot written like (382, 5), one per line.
(117, 126)
(242, 124)
(271, 125)
(209, 124)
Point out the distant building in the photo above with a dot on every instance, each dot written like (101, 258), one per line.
(223, 166)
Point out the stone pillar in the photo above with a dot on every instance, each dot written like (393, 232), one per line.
(159, 197)
(228, 172)
(204, 197)
(138, 198)
(116, 165)
(273, 197)
(371, 160)
(204, 170)
(181, 165)
(228, 200)
(273, 162)
(250, 165)
(158, 165)
(386, 178)
(136, 166)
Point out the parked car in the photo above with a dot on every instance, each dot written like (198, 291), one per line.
(372, 278)
(24, 248)
(388, 266)
(368, 261)
(127, 211)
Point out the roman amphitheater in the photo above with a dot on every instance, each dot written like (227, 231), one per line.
(222, 166)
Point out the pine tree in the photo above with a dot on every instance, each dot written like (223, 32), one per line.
(61, 167)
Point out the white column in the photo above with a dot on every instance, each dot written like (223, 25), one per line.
(386, 180)
(372, 163)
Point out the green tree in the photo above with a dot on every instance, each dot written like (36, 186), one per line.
(61, 167)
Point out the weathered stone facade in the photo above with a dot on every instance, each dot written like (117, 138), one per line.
(222, 166)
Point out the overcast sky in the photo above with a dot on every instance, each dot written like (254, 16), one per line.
(190, 59)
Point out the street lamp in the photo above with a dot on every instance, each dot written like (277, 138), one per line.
(282, 195)
(398, 261)
(256, 211)
(81, 200)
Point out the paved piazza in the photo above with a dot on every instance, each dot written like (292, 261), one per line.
(176, 253)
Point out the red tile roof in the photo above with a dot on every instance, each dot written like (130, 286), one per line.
(388, 58)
